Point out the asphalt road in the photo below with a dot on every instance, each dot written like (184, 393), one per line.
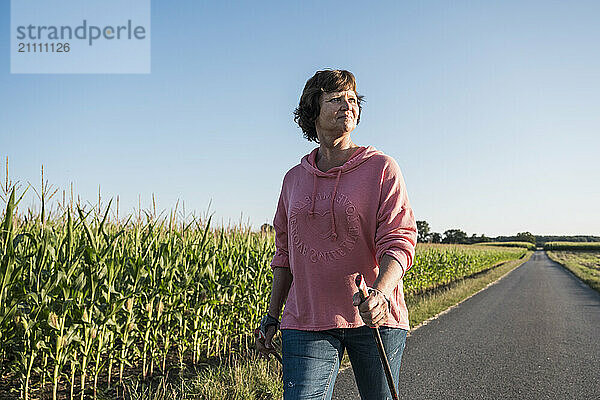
(533, 335)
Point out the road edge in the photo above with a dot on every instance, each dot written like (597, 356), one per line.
(436, 316)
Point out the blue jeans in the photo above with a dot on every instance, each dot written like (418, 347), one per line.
(311, 361)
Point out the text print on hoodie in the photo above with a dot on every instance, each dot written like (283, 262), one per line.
(332, 225)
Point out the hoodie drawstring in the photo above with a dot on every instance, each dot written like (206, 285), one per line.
(312, 208)
(309, 163)
(337, 180)
(314, 194)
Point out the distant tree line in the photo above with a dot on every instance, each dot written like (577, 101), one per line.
(457, 236)
(454, 236)
(544, 239)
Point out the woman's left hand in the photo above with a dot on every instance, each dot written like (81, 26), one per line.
(374, 310)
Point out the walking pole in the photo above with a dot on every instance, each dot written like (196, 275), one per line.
(363, 293)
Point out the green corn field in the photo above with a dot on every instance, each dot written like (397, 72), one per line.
(527, 245)
(437, 265)
(572, 246)
(88, 300)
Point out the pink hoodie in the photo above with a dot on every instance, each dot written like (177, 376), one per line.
(332, 225)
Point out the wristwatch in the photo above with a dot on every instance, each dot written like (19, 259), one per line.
(267, 321)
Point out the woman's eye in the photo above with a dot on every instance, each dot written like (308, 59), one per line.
(352, 100)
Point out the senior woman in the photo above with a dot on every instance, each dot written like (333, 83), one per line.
(342, 211)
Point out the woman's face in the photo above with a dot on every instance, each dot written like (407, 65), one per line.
(339, 112)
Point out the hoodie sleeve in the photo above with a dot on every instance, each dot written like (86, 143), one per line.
(396, 232)
(281, 257)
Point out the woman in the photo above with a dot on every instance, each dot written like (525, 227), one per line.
(342, 211)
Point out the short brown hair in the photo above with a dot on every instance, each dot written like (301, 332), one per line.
(325, 81)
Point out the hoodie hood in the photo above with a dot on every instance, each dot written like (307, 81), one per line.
(361, 155)
(308, 162)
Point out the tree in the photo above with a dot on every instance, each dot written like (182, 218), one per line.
(266, 229)
(484, 238)
(436, 238)
(454, 236)
(473, 239)
(526, 237)
(423, 228)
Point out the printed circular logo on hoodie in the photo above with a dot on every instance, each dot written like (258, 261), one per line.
(336, 237)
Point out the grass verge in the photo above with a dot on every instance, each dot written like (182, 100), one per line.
(583, 264)
(240, 379)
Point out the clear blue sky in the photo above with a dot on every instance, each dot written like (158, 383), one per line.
(490, 108)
